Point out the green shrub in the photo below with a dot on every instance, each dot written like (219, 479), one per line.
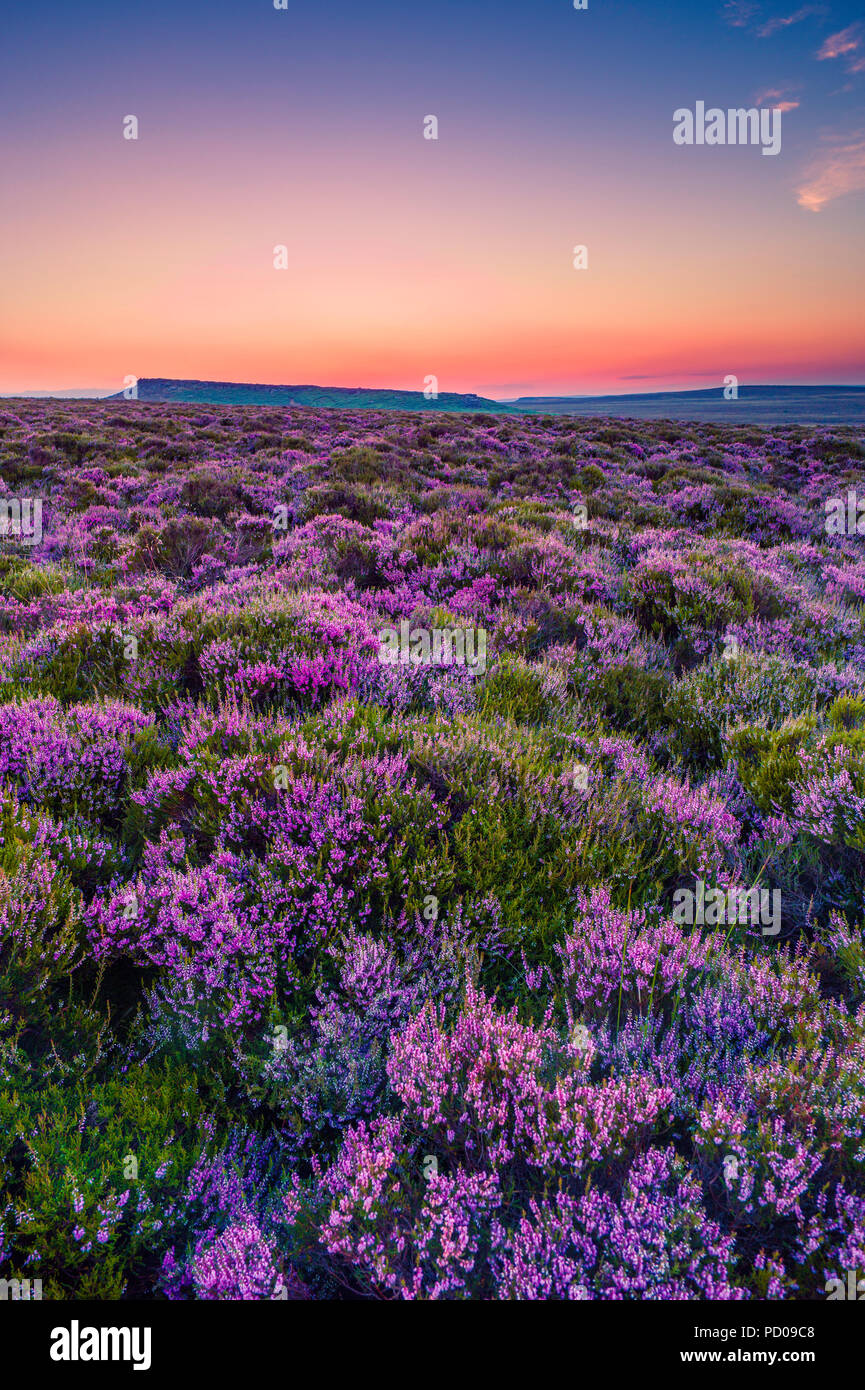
(767, 760)
(628, 699)
(513, 690)
(90, 1167)
(707, 701)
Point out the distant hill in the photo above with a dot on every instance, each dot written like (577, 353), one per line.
(755, 405)
(340, 397)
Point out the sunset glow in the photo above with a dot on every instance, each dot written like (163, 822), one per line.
(406, 256)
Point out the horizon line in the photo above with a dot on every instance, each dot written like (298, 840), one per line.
(104, 393)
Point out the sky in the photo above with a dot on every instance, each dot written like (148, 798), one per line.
(408, 258)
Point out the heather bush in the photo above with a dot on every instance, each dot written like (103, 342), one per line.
(89, 1167)
(325, 977)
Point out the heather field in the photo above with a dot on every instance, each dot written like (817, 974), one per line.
(432, 855)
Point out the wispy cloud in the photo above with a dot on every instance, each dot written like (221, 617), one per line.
(776, 98)
(784, 21)
(833, 173)
(739, 13)
(845, 41)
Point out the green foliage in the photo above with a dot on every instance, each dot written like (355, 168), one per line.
(207, 495)
(706, 702)
(88, 1169)
(177, 547)
(592, 477)
(628, 699)
(767, 760)
(513, 690)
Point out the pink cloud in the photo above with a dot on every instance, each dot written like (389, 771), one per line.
(774, 97)
(833, 173)
(783, 22)
(739, 13)
(845, 41)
